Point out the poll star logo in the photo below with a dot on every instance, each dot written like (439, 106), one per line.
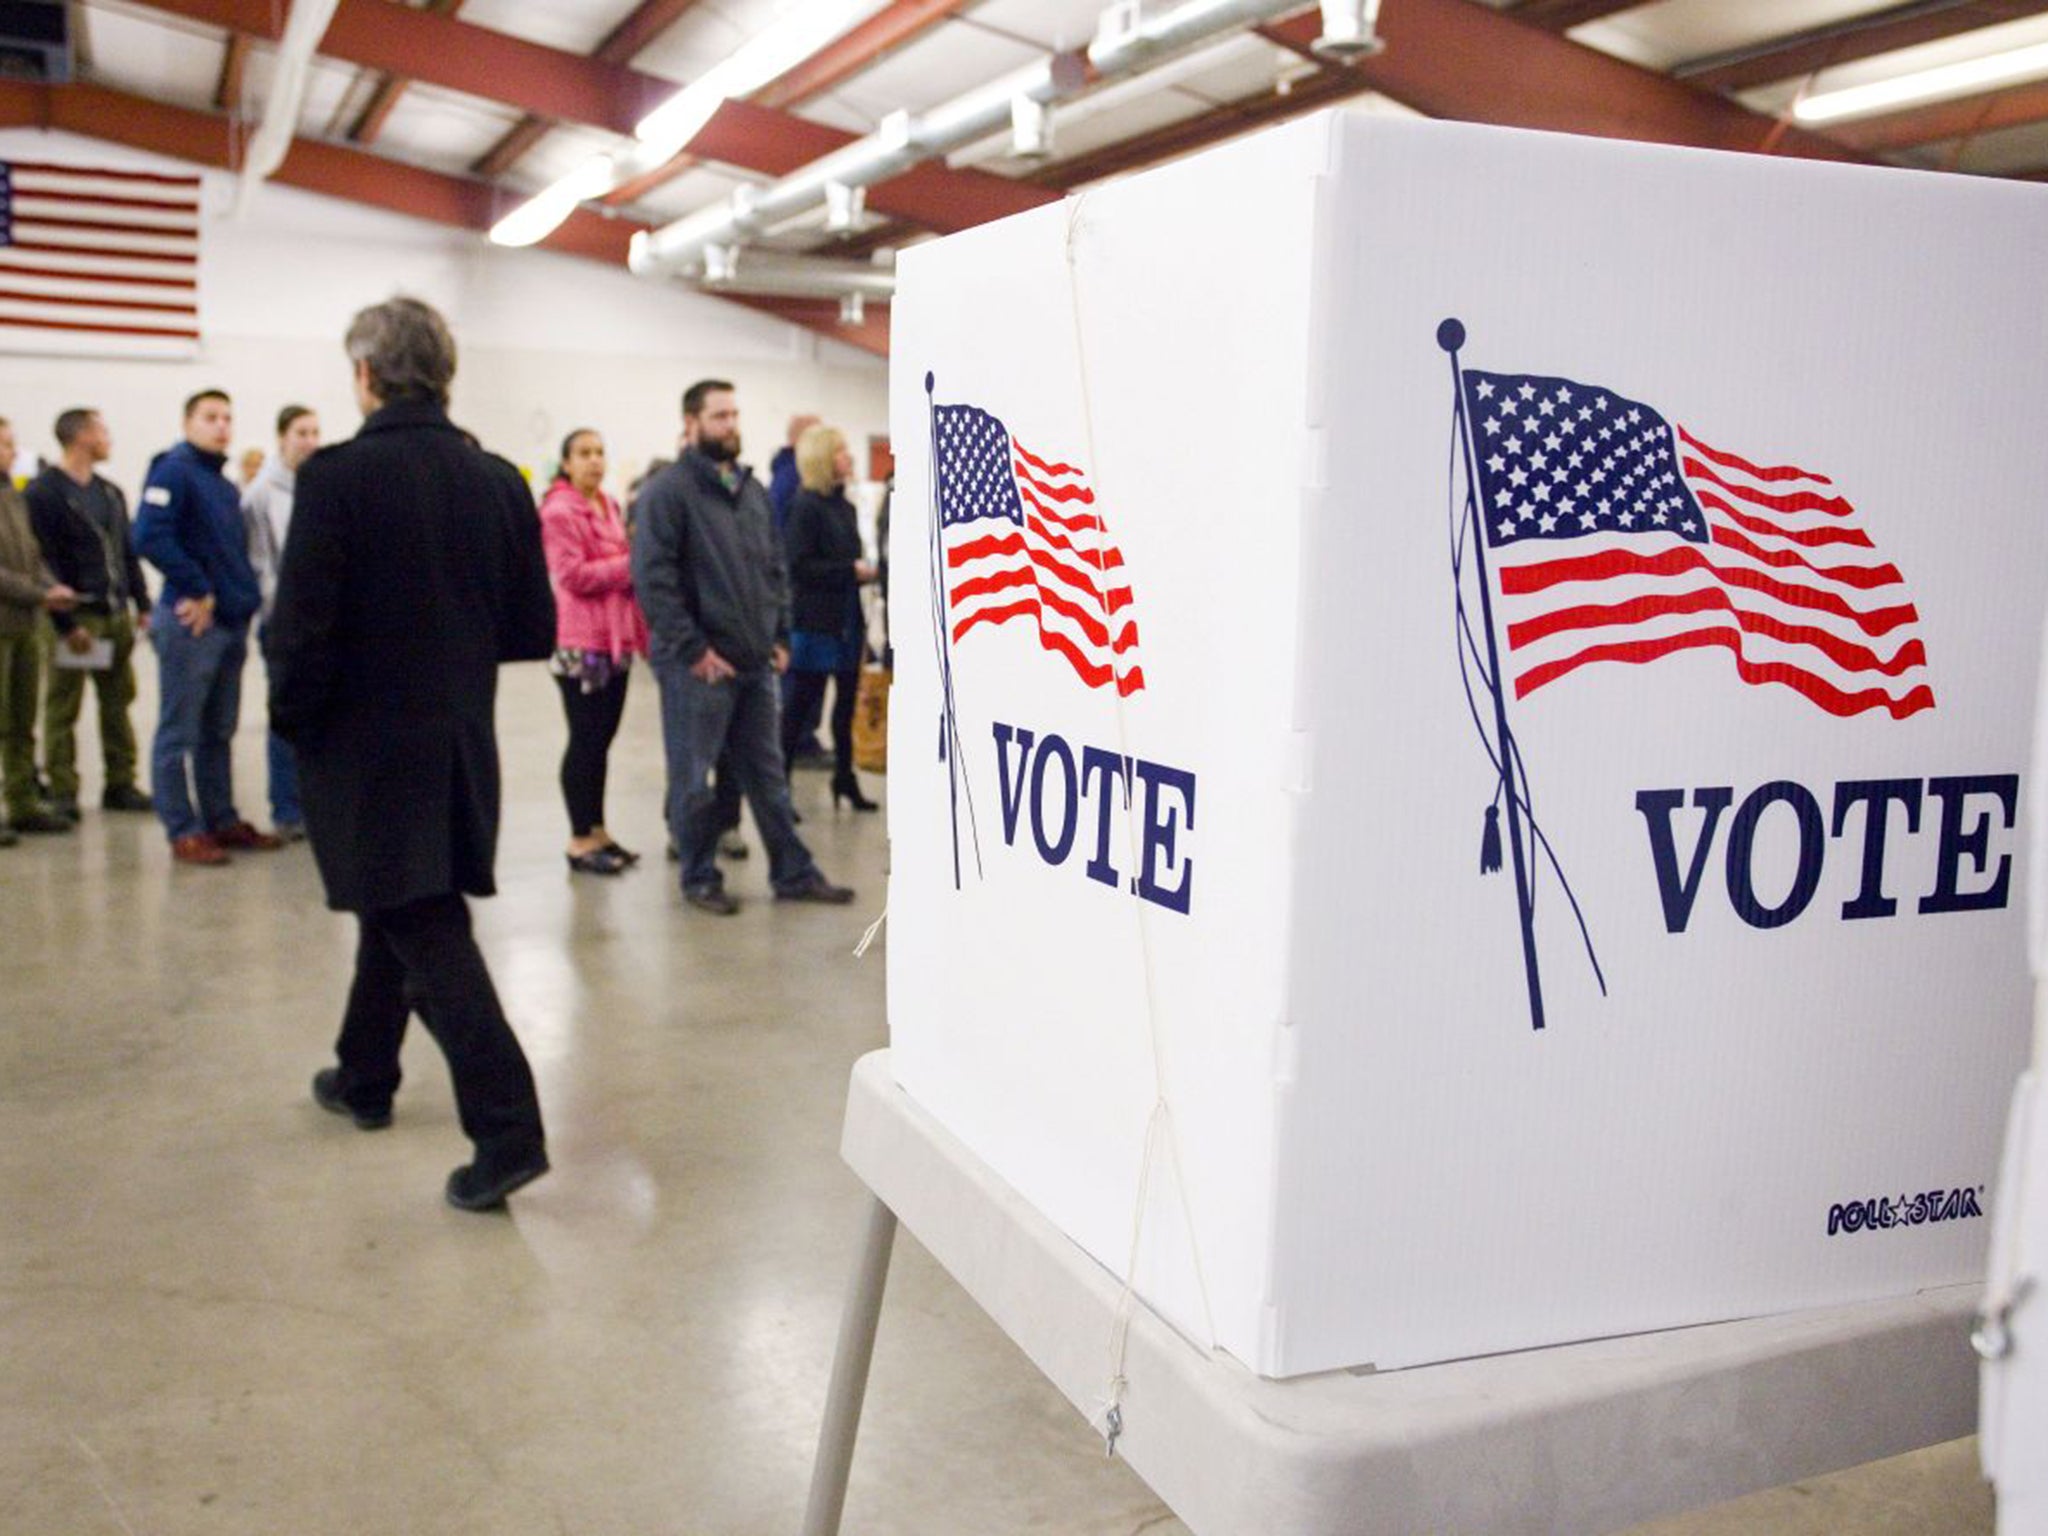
(1016, 535)
(1602, 532)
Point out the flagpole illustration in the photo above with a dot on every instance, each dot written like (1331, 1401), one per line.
(1450, 336)
(949, 724)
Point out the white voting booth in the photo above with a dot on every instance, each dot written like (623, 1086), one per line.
(1254, 512)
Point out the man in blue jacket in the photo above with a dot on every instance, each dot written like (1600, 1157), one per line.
(190, 527)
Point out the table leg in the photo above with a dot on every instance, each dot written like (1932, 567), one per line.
(856, 1349)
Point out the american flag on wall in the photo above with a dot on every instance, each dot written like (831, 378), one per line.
(98, 263)
(1618, 536)
(1023, 539)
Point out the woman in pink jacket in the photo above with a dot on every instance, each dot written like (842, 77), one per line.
(599, 630)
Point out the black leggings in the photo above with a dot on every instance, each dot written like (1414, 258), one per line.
(806, 693)
(593, 722)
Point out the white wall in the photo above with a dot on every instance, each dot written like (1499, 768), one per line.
(547, 342)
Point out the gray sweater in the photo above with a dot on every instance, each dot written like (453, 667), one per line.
(267, 509)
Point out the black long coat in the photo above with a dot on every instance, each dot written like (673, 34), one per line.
(414, 567)
(821, 544)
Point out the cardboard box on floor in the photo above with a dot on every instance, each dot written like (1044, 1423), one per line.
(1192, 788)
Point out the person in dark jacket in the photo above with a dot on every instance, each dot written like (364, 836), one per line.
(190, 528)
(708, 573)
(414, 569)
(81, 522)
(27, 592)
(827, 568)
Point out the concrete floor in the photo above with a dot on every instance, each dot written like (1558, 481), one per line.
(223, 1311)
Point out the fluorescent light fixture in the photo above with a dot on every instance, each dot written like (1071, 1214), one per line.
(1960, 79)
(787, 41)
(540, 215)
(666, 131)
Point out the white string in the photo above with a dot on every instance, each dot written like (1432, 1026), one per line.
(860, 950)
(1159, 1124)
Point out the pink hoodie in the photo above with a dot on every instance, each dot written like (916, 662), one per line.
(590, 565)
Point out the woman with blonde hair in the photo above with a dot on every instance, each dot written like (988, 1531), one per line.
(826, 571)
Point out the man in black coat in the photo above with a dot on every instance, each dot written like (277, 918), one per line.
(414, 568)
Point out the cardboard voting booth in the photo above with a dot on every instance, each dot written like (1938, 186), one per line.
(1458, 741)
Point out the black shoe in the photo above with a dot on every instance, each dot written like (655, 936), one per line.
(713, 898)
(622, 853)
(848, 789)
(7, 838)
(68, 809)
(42, 820)
(126, 797)
(327, 1094)
(815, 887)
(599, 861)
(473, 1188)
(730, 846)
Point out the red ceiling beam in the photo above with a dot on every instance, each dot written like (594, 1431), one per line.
(1961, 119)
(370, 124)
(1459, 60)
(860, 48)
(227, 94)
(353, 175)
(1858, 37)
(457, 55)
(621, 45)
(461, 56)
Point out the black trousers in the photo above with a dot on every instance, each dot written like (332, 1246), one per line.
(424, 956)
(593, 722)
(806, 699)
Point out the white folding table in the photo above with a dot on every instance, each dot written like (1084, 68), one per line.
(1580, 1438)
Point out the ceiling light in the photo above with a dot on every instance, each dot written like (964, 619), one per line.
(1962, 79)
(793, 37)
(540, 215)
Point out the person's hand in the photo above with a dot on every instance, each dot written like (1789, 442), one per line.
(60, 599)
(195, 613)
(142, 621)
(712, 668)
(779, 659)
(78, 641)
(863, 571)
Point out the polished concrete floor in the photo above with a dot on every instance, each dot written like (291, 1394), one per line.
(225, 1312)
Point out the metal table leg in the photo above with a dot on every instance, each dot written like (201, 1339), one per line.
(850, 1362)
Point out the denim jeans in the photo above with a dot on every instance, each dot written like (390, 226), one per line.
(285, 809)
(200, 679)
(740, 717)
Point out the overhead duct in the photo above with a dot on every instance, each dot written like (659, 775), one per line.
(1126, 43)
(728, 269)
(302, 33)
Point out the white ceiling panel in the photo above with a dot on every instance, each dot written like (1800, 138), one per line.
(157, 56)
(575, 25)
(1669, 32)
(441, 129)
(944, 63)
(1048, 24)
(1884, 66)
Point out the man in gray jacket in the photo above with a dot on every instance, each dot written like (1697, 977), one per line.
(267, 508)
(707, 568)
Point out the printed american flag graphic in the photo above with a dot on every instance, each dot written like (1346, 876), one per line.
(1618, 536)
(98, 263)
(1023, 538)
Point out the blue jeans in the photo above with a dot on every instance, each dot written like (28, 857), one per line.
(740, 717)
(201, 684)
(285, 809)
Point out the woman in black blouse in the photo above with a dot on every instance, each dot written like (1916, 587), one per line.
(826, 572)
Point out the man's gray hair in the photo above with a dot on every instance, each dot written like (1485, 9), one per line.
(408, 347)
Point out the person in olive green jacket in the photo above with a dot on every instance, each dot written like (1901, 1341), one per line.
(26, 592)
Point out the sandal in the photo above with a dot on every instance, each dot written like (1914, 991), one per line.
(599, 861)
(626, 854)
